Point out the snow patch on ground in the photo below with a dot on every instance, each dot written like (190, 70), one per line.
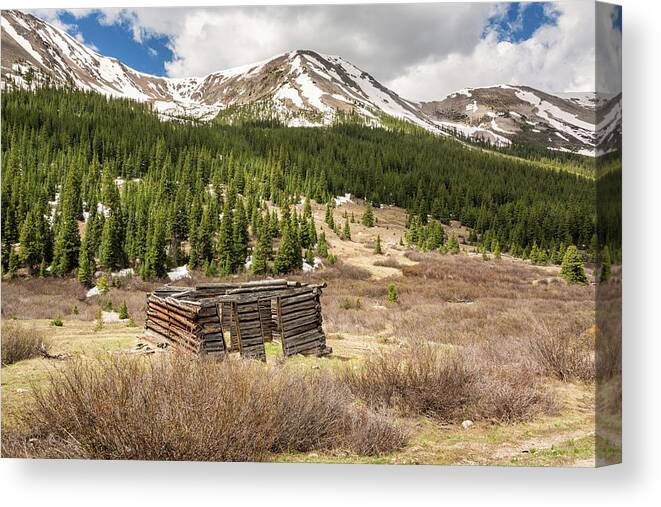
(343, 199)
(179, 273)
(94, 291)
(123, 273)
(307, 268)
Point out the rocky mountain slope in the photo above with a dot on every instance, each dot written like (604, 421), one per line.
(306, 88)
(503, 113)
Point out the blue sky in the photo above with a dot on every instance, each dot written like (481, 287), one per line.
(521, 20)
(116, 39)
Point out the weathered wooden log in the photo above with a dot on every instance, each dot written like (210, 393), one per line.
(174, 337)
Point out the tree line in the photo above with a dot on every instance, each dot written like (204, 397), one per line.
(89, 181)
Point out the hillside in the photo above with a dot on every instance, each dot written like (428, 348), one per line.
(62, 150)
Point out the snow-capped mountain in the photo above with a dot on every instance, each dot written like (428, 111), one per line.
(302, 87)
(306, 88)
(504, 113)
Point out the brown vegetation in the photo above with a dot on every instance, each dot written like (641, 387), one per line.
(448, 384)
(183, 409)
(45, 298)
(21, 342)
(564, 351)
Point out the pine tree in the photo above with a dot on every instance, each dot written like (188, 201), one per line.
(392, 293)
(288, 258)
(155, 265)
(453, 244)
(86, 261)
(111, 250)
(239, 237)
(346, 232)
(67, 244)
(123, 311)
(377, 246)
(368, 216)
(307, 209)
(261, 254)
(14, 263)
(309, 257)
(225, 246)
(322, 246)
(31, 251)
(605, 274)
(495, 248)
(330, 221)
(572, 267)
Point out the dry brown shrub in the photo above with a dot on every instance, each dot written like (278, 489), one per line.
(508, 387)
(564, 351)
(450, 384)
(344, 271)
(21, 342)
(187, 409)
(44, 298)
(420, 378)
(388, 262)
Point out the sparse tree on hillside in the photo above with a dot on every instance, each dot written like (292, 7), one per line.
(453, 244)
(572, 267)
(605, 274)
(368, 216)
(346, 232)
(322, 246)
(377, 246)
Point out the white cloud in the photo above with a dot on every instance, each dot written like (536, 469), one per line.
(609, 51)
(422, 51)
(556, 58)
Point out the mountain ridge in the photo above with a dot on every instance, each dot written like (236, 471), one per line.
(307, 88)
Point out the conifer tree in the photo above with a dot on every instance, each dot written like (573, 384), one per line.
(453, 244)
(86, 261)
(605, 274)
(495, 249)
(368, 216)
(330, 221)
(123, 311)
(346, 232)
(261, 254)
(239, 236)
(111, 249)
(572, 267)
(14, 263)
(274, 225)
(67, 244)
(288, 258)
(307, 209)
(225, 245)
(322, 246)
(309, 257)
(155, 265)
(32, 245)
(377, 246)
